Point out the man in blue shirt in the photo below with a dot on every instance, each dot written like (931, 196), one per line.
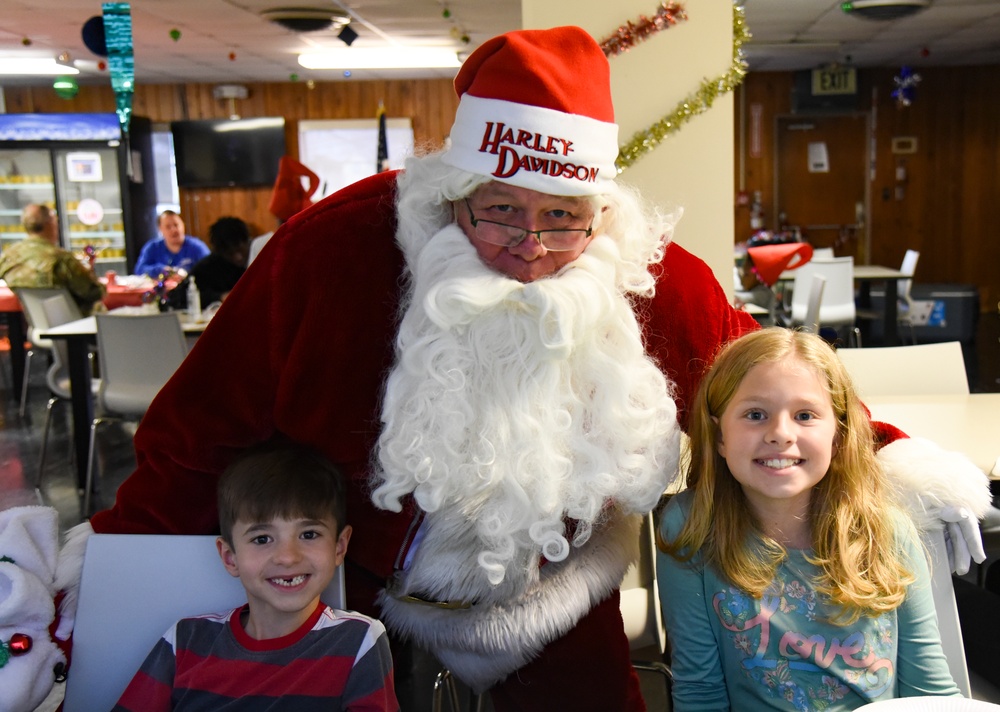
(174, 252)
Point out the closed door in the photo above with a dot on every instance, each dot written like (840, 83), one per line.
(821, 181)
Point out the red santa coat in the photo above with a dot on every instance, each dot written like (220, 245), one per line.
(301, 347)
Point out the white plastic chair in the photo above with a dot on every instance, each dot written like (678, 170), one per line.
(57, 310)
(919, 369)
(949, 626)
(134, 586)
(137, 355)
(906, 306)
(837, 305)
(31, 299)
(815, 299)
(905, 300)
(640, 606)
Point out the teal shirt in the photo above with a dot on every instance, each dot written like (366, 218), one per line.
(732, 651)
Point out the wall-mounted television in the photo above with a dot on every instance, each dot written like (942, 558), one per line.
(225, 153)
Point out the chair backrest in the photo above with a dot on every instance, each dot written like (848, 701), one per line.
(31, 299)
(138, 354)
(640, 597)
(908, 267)
(133, 588)
(949, 626)
(837, 306)
(811, 322)
(59, 309)
(920, 369)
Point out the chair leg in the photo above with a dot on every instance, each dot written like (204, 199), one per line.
(660, 669)
(24, 383)
(45, 440)
(445, 682)
(90, 467)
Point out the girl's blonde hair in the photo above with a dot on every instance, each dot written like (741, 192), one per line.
(853, 526)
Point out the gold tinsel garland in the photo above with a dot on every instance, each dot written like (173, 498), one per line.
(697, 103)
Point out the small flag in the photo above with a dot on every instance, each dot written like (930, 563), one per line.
(382, 162)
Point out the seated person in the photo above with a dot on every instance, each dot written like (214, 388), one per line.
(217, 274)
(789, 578)
(283, 534)
(172, 254)
(38, 261)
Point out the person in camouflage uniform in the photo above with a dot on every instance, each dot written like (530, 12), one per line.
(38, 261)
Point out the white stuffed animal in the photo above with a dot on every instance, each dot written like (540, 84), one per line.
(29, 659)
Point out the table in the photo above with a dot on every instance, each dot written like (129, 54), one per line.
(969, 423)
(79, 335)
(864, 275)
(128, 290)
(10, 310)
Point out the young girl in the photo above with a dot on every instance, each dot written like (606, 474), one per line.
(790, 581)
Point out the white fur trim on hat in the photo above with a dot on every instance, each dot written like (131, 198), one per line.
(928, 478)
(533, 147)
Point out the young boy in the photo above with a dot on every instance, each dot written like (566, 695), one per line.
(281, 515)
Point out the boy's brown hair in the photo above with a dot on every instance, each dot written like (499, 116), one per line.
(280, 480)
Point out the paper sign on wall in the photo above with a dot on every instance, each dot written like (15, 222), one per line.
(819, 161)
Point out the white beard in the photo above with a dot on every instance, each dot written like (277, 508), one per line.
(514, 407)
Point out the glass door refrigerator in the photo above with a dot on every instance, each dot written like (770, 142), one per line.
(99, 183)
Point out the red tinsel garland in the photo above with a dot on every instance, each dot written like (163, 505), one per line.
(630, 34)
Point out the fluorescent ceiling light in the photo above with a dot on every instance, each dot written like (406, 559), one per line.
(380, 58)
(34, 65)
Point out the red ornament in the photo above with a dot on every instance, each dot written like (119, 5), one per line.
(19, 644)
(102, 65)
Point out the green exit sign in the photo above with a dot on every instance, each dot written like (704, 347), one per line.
(842, 80)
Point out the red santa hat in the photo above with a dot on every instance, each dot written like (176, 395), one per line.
(289, 196)
(769, 261)
(535, 111)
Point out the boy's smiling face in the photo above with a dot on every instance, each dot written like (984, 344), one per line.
(284, 565)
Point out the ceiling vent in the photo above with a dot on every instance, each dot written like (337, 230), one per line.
(306, 19)
(884, 9)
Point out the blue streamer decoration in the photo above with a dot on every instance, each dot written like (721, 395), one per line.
(121, 60)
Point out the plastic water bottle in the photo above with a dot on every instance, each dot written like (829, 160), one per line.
(194, 301)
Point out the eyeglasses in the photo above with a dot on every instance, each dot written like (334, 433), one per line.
(555, 240)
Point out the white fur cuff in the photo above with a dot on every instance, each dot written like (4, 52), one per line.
(928, 478)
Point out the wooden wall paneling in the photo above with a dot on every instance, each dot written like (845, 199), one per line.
(950, 205)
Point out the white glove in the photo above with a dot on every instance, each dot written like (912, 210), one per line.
(962, 538)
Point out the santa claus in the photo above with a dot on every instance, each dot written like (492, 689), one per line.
(497, 345)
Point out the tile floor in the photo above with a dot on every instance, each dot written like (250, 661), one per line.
(20, 446)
